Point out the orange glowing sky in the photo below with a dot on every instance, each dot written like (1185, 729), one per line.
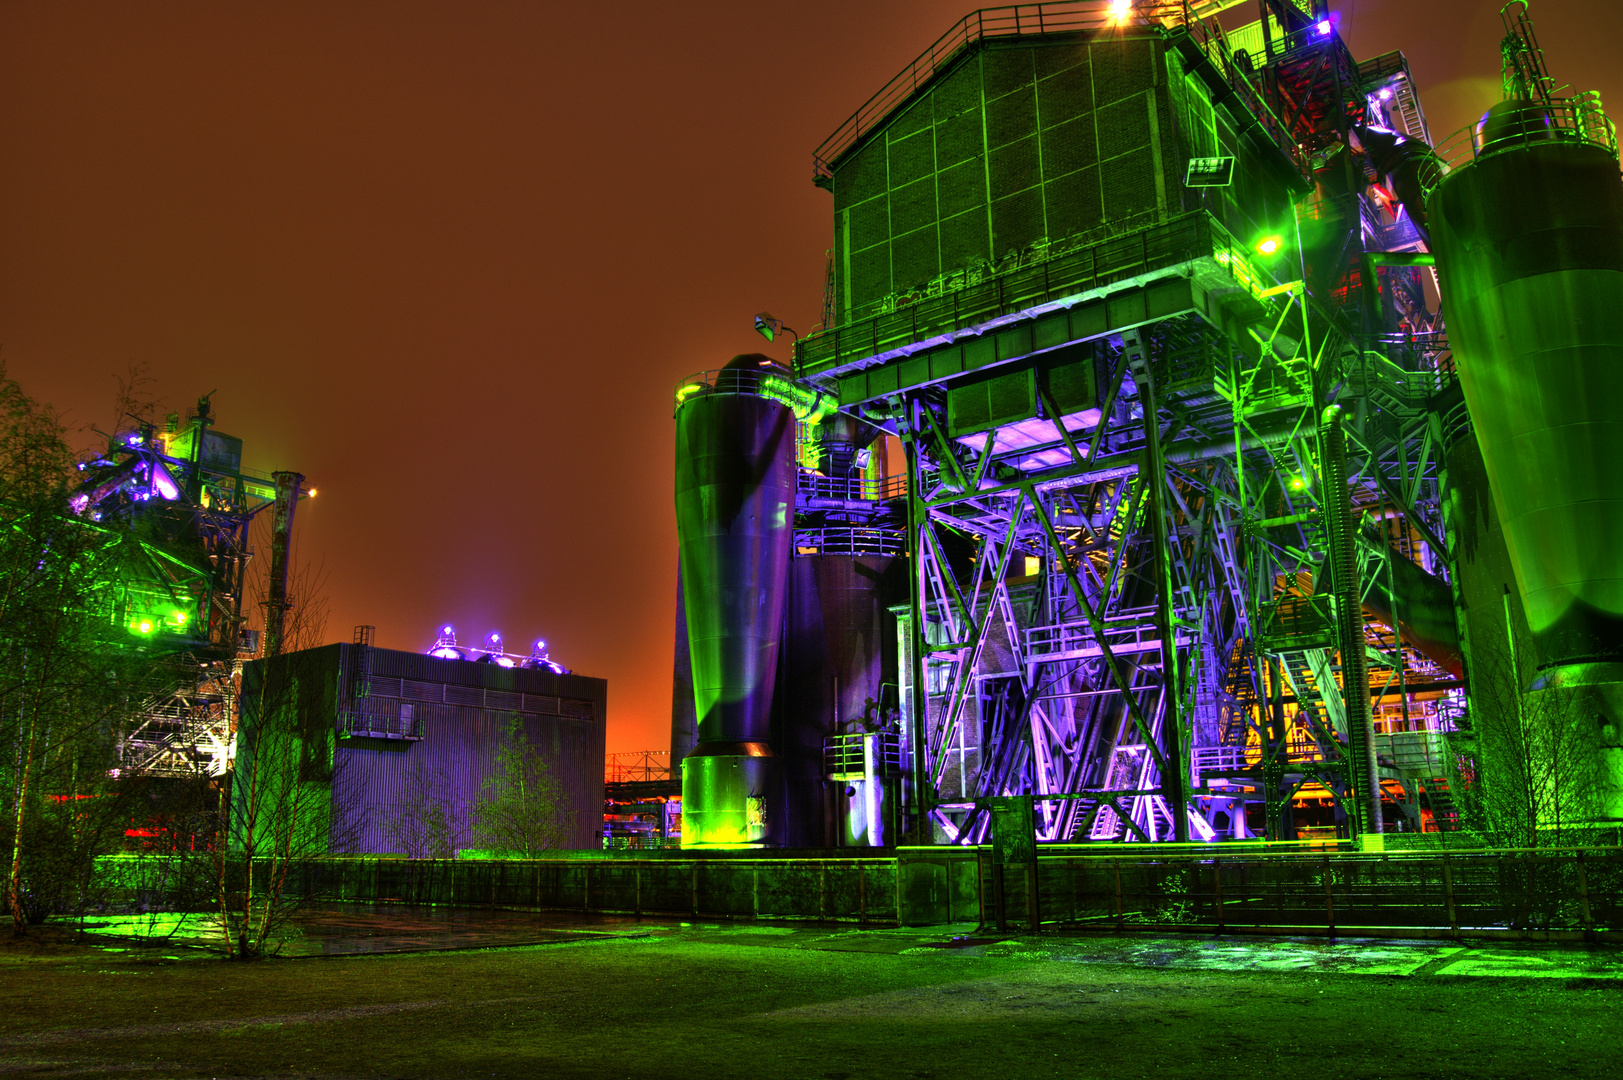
(449, 260)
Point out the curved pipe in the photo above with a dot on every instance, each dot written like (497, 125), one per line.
(1408, 166)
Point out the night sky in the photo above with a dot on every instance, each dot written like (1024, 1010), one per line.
(449, 260)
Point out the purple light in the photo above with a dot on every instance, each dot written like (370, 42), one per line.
(1323, 27)
(1386, 93)
(134, 440)
(447, 631)
(446, 652)
(165, 484)
(504, 661)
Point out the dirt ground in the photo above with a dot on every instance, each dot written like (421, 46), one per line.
(671, 1000)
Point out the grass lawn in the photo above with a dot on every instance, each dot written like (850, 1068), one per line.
(757, 1001)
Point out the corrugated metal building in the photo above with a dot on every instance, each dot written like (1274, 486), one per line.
(352, 723)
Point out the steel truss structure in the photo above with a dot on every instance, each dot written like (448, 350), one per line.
(181, 593)
(1176, 610)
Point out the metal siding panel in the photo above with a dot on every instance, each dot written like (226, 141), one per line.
(1090, 320)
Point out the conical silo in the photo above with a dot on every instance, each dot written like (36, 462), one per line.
(1528, 236)
(735, 490)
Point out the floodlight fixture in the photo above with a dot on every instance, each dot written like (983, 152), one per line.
(1209, 172)
(769, 327)
(1270, 245)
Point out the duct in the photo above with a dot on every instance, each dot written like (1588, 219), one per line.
(1424, 614)
(1408, 166)
(735, 487)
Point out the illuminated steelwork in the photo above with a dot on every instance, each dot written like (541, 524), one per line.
(1188, 511)
(1174, 475)
(180, 590)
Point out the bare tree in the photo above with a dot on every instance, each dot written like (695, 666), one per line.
(520, 806)
(1537, 773)
(277, 813)
(65, 675)
(426, 822)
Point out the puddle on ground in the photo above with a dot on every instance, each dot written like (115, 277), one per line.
(354, 929)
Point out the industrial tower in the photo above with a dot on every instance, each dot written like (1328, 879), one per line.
(1194, 533)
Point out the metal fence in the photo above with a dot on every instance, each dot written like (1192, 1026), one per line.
(1556, 893)
(1553, 894)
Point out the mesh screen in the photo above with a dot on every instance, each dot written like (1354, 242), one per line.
(1066, 96)
(914, 259)
(1014, 123)
(1011, 117)
(964, 240)
(911, 158)
(961, 188)
(1014, 167)
(870, 223)
(912, 207)
(958, 138)
(1006, 69)
(1017, 221)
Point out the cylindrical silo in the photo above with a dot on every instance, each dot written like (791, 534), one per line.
(735, 490)
(1529, 245)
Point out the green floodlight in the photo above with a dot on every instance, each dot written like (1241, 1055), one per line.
(1270, 245)
(144, 626)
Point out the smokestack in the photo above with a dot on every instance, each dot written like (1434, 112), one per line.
(276, 605)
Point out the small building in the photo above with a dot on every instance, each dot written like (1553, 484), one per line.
(336, 745)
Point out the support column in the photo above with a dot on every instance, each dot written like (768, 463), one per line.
(916, 511)
(1175, 775)
(1363, 774)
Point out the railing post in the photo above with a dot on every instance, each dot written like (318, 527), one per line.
(1583, 892)
(1115, 865)
(1329, 896)
(1448, 895)
(1217, 883)
(862, 896)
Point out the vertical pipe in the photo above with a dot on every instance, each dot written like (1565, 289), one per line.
(276, 604)
(1363, 774)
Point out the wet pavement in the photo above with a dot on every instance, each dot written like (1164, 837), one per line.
(358, 929)
(362, 929)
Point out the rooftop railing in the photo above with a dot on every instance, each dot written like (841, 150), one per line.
(1051, 18)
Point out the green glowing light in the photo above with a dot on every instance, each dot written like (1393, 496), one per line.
(688, 391)
(810, 406)
(144, 626)
(1269, 245)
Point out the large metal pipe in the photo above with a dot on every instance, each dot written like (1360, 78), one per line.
(276, 602)
(735, 488)
(1529, 244)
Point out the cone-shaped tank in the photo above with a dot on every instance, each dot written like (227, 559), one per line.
(1529, 245)
(735, 489)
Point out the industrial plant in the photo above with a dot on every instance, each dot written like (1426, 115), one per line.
(1202, 471)
(1196, 449)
